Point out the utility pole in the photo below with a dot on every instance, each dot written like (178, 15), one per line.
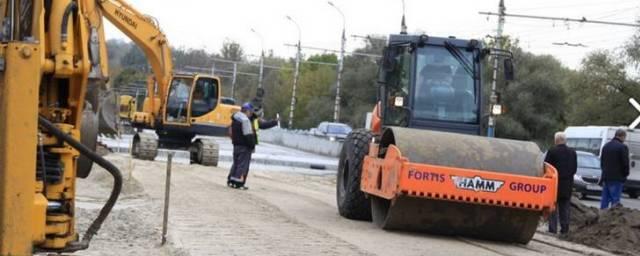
(501, 19)
(336, 110)
(213, 68)
(494, 97)
(296, 73)
(261, 69)
(233, 80)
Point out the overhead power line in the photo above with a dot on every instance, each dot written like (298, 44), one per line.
(336, 51)
(570, 44)
(220, 70)
(581, 20)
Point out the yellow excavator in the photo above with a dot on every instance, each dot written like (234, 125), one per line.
(180, 110)
(186, 109)
(52, 53)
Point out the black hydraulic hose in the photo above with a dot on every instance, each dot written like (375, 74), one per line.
(43, 164)
(65, 20)
(112, 169)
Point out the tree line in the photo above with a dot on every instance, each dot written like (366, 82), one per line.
(544, 98)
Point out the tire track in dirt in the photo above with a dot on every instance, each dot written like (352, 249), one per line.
(282, 214)
(207, 218)
(321, 191)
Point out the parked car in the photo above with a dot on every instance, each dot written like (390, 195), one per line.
(228, 101)
(332, 131)
(585, 181)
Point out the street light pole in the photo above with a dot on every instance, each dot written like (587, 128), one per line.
(233, 79)
(296, 73)
(336, 110)
(261, 57)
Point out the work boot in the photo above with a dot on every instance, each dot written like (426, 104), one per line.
(232, 184)
(563, 236)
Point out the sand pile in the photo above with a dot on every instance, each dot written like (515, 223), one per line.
(616, 230)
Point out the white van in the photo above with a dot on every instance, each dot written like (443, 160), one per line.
(593, 138)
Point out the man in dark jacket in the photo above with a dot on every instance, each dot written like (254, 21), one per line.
(614, 162)
(259, 123)
(244, 142)
(564, 159)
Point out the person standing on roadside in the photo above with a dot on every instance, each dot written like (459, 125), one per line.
(564, 159)
(244, 142)
(259, 123)
(614, 162)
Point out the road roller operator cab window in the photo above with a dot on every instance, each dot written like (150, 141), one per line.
(430, 83)
(396, 73)
(177, 103)
(205, 97)
(445, 89)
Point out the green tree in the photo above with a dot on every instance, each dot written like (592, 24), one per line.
(600, 91)
(535, 102)
(231, 50)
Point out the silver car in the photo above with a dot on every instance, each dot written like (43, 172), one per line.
(586, 179)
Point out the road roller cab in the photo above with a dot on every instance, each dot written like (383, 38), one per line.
(425, 166)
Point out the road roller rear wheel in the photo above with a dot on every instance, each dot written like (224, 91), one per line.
(352, 202)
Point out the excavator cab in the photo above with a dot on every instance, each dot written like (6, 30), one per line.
(194, 105)
(191, 96)
(424, 165)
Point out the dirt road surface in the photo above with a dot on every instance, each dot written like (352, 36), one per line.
(283, 213)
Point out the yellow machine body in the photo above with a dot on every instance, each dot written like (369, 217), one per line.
(50, 54)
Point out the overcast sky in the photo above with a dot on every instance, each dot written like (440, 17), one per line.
(206, 24)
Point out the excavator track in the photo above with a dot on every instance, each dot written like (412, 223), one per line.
(145, 146)
(205, 152)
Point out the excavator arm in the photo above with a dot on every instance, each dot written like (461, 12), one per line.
(144, 31)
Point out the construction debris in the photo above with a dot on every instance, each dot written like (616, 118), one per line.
(615, 230)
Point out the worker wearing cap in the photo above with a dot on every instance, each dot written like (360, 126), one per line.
(244, 141)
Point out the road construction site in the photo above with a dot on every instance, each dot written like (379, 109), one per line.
(287, 211)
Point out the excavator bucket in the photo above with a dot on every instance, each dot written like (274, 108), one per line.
(455, 184)
(100, 116)
(105, 105)
(108, 113)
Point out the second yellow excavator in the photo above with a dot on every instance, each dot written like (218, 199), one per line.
(180, 110)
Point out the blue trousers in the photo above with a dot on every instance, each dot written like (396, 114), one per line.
(611, 192)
